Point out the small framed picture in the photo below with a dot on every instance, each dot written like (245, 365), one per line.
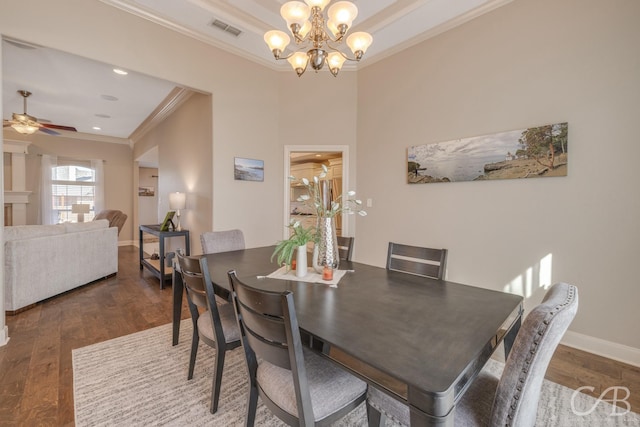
(146, 191)
(168, 220)
(248, 169)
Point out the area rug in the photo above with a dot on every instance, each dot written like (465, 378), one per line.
(141, 380)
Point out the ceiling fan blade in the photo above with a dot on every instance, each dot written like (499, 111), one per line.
(52, 126)
(48, 131)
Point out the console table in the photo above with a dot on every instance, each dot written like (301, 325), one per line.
(157, 266)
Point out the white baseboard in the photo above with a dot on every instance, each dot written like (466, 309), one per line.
(4, 335)
(611, 350)
(127, 243)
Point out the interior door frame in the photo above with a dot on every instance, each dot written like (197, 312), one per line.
(288, 149)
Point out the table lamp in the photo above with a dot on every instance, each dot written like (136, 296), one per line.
(80, 209)
(177, 201)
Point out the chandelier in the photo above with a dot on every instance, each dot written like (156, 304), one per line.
(318, 43)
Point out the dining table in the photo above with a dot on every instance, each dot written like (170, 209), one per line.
(432, 336)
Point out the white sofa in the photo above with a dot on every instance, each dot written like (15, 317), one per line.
(41, 261)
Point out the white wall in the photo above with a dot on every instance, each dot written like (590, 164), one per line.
(530, 63)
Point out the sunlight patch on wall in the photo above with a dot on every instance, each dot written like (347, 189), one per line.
(534, 277)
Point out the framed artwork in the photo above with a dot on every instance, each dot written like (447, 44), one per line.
(146, 191)
(168, 220)
(525, 153)
(248, 169)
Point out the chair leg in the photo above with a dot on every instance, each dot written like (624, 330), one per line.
(375, 417)
(195, 340)
(217, 379)
(252, 404)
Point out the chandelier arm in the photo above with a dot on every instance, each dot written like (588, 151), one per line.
(342, 53)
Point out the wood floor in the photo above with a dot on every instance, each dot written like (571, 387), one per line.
(36, 373)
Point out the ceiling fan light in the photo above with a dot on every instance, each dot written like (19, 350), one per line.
(25, 128)
(295, 13)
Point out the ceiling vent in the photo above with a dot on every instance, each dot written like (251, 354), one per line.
(226, 27)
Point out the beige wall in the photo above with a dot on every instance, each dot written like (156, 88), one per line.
(532, 62)
(147, 205)
(117, 171)
(184, 151)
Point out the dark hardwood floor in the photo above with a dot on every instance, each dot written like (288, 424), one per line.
(36, 373)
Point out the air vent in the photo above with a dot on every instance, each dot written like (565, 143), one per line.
(226, 27)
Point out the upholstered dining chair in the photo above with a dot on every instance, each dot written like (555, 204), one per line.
(512, 399)
(222, 241)
(115, 217)
(299, 386)
(417, 260)
(345, 247)
(214, 324)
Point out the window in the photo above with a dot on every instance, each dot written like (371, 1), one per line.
(73, 184)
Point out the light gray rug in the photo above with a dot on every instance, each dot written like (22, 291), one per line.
(141, 380)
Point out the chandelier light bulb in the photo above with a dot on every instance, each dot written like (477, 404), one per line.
(299, 61)
(335, 61)
(359, 43)
(277, 41)
(342, 13)
(317, 3)
(296, 14)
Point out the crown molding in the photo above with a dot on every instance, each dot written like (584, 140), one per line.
(175, 99)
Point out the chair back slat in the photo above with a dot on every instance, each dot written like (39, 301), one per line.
(192, 279)
(345, 247)
(426, 262)
(264, 322)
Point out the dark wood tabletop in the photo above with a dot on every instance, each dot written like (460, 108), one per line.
(432, 335)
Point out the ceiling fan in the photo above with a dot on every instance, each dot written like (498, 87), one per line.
(26, 124)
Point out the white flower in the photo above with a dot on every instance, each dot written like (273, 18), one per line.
(362, 213)
(351, 193)
(305, 181)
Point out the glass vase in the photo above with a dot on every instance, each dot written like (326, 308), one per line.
(327, 254)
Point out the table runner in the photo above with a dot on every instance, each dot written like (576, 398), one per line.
(311, 276)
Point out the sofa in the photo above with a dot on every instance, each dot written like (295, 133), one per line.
(41, 261)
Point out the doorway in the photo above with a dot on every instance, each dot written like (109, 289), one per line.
(304, 161)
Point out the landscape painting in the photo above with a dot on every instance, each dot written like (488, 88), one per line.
(248, 169)
(526, 153)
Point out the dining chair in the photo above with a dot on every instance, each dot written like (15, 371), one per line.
(512, 399)
(213, 323)
(417, 260)
(222, 241)
(299, 386)
(345, 247)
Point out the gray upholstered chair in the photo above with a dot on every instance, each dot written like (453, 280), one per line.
(222, 241)
(215, 324)
(345, 247)
(417, 260)
(297, 385)
(116, 218)
(512, 399)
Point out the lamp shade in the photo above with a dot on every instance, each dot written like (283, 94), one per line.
(80, 208)
(177, 201)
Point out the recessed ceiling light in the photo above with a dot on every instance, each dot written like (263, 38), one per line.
(119, 71)
(97, 128)
(109, 97)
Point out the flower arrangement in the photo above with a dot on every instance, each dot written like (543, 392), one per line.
(286, 248)
(324, 208)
